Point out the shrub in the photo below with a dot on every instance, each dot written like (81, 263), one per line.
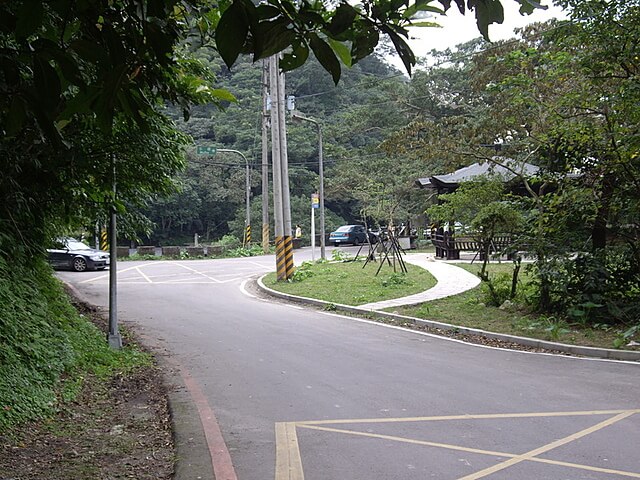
(592, 288)
(302, 272)
(251, 251)
(497, 290)
(229, 241)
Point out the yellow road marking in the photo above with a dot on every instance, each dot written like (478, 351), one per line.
(478, 451)
(408, 440)
(466, 417)
(288, 461)
(534, 453)
(586, 467)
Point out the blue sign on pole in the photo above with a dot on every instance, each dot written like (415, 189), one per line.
(315, 200)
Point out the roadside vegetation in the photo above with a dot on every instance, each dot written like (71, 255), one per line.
(70, 405)
(48, 348)
(476, 308)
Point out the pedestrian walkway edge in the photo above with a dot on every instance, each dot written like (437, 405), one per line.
(591, 352)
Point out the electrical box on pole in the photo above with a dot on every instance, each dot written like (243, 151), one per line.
(291, 103)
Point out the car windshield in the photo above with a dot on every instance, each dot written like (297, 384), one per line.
(76, 245)
(344, 228)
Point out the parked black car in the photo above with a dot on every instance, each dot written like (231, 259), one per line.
(69, 253)
(355, 234)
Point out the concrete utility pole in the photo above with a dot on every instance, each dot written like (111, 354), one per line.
(265, 157)
(281, 203)
(298, 116)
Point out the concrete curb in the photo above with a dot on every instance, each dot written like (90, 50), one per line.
(592, 352)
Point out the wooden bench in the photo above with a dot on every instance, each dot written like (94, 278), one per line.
(450, 247)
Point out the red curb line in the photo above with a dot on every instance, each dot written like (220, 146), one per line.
(220, 457)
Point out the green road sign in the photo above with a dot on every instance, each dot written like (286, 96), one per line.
(205, 150)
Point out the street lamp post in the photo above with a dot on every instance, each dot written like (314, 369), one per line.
(297, 116)
(113, 337)
(247, 189)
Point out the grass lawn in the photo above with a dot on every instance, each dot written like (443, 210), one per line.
(349, 283)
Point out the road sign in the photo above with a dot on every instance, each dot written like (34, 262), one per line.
(315, 200)
(205, 150)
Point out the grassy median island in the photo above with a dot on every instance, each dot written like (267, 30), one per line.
(348, 283)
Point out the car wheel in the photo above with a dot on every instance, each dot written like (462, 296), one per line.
(356, 242)
(79, 264)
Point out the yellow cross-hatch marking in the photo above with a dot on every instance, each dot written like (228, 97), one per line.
(289, 461)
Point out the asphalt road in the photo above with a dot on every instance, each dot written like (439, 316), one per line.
(300, 393)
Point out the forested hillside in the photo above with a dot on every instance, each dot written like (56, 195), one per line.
(357, 115)
(375, 144)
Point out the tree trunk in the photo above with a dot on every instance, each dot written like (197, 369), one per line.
(545, 282)
(517, 263)
(599, 230)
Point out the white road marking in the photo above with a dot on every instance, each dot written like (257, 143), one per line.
(143, 275)
(243, 289)
(198, 272)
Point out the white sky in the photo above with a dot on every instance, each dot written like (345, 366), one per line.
(459, 29)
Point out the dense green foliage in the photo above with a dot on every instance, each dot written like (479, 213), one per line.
(574, 92)
(562, 96)
(211, 199)
(346, 34)
(44, 340)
